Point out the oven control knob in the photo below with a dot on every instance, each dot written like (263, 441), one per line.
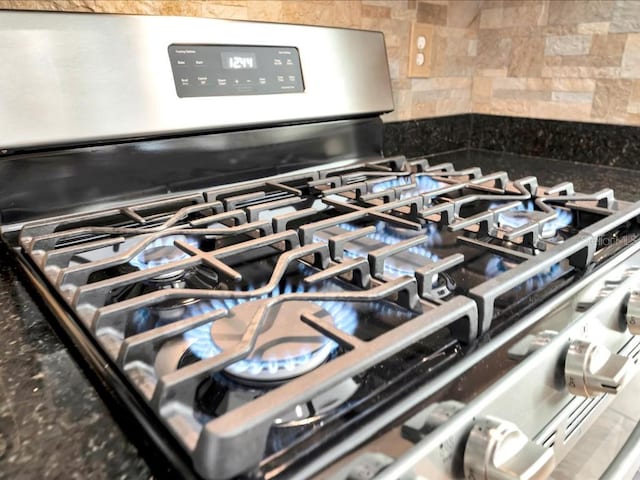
(633, 312)
(592, 369)
(497, 449)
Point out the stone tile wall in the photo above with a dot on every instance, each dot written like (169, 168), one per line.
(559, 59)
(448, 92)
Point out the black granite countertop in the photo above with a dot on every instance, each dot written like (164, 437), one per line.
(52, 422)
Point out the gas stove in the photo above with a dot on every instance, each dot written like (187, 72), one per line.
(283, 301)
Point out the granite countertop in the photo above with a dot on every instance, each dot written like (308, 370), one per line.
(52, 422)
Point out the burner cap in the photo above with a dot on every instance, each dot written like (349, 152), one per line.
(160, 252)
(285, 348)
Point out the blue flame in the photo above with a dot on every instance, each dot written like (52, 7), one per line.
(388, 236)
(564, 218)
(162, 251)
(497, 265)
(396, 182)
(344, 317)
(424, 183)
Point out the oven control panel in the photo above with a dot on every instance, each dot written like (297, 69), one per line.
(222, 70)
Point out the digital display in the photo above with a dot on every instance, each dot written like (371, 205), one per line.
(238, 61)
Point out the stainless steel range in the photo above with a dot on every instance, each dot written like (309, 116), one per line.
(204, 208)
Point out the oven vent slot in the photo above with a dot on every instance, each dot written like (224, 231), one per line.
(550, 441)
(581, 412)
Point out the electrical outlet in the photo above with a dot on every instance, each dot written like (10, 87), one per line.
(420, 50)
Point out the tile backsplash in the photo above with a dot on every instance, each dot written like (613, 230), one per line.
(559, 59)
(554, 59)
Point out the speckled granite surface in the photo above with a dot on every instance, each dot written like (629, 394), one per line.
(612, 145)
(54, 425)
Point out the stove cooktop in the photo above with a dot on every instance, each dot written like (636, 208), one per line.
(263, 321)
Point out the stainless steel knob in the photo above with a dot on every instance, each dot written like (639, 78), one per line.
(633, 312)
(592, 369)
(498, 450)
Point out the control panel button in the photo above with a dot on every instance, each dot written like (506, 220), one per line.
(633, 312)
(222, 70)
(497, 449)
(591, 369)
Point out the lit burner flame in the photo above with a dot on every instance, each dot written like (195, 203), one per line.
(202, 345)
(388, 236)
(162, 251)
(498, 265)
(424, 183)
(512, 219)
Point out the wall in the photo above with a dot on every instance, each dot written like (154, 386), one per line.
(557, 59)
(448, 92)
(554, 59)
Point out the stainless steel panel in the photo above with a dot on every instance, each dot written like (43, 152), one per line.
(72, 78)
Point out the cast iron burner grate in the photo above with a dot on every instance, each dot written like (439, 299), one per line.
(264, 319)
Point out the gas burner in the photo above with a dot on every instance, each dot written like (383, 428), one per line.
(218, 395)
(390, 235)
(497, 265)
(526, 213)
(162, 251)
(423, 184)
(284, 349)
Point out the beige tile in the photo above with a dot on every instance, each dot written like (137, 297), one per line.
(308, 13)
(432, 13)
(559, 111)
(148, 7)
(264, 10)
(482, 88)
(567, 45)
(518, 94)
(464, 13)
(527, 56)
(494, 51)
(530, 13)
(374, 11)
(610, 98)
(581, 72)
(580, 11)
(626, 17)
(572, 97)
(573, 84)
(631, 57)
(216, 10)
(190, 8)
(594, 27)
(611, 46)
(472, 47)
(491, 17)
(492, 72)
